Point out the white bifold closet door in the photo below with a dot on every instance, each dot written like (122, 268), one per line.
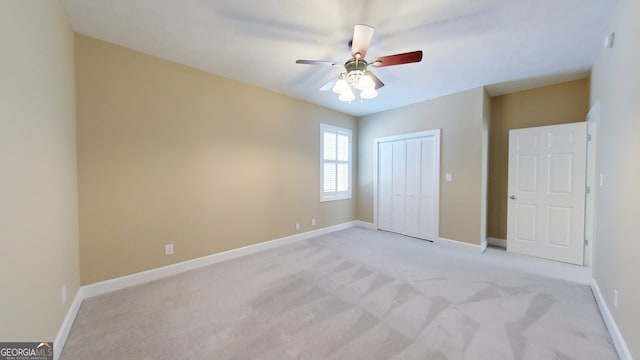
(407, 187)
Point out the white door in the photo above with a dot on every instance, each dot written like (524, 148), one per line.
(407, 185)
(545, 213)
(397, 186)
(412, 182)
(385, 188)
(429, 187)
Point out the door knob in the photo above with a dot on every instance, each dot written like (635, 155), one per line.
(512, 197)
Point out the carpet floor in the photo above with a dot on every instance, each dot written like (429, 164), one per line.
(352, 294)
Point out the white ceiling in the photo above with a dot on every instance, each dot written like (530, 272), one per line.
(466, 43)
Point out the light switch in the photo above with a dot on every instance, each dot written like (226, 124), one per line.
(449, 177)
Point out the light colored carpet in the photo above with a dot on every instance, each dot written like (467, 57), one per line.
(353, 294)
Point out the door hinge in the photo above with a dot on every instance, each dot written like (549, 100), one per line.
(586, 242)
(588, 137)
(588, 190)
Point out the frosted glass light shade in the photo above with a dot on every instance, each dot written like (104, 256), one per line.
(365, 82)
(347, 96)
(341, 86)
(368, 93)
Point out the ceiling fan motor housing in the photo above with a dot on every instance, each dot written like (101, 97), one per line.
(356, 64)
(356, 68)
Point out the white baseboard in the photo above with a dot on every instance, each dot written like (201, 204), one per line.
(497, 242)
(111, 285)
(618, 341)
(483, 245)
(108, 286)
(461, 245)
(366, 225)
(67, 323)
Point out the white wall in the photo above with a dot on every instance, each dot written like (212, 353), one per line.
(616, 86)
(38, 181)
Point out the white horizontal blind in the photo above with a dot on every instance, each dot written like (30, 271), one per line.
(335, 163)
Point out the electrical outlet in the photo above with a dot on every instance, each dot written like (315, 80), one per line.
(297, 226)
(64, 294)
(449, 177)
(168, 249)
(313, 222)
(615, 298)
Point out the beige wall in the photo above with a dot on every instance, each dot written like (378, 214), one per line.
(38, 184)
(550, 105)
(616, 87)
(170, 154)
(460, 116)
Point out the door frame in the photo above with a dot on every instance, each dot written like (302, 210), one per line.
(591, 207)
(415, 135)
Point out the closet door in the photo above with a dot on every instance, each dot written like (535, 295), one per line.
(428, 188)
(407, 184)
(398, 187)
(385, 188)
(412, 198)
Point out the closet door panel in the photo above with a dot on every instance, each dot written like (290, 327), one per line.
(385, 188)
(398, 186)
(412, 188)
(428, 188)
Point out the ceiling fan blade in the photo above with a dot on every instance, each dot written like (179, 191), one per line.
(329, 85)
(375, 79)
(362, 35)
(319, 62)
(397, 59)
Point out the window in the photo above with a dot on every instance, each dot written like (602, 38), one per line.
(335, 163)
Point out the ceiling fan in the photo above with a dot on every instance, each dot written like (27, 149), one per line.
(356, 75)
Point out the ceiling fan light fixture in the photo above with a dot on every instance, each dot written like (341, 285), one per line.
(341, 86)
(365, 82)
(368, 93)
(347, 96)
(356, 75)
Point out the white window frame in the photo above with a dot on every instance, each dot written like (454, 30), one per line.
(336, 195)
